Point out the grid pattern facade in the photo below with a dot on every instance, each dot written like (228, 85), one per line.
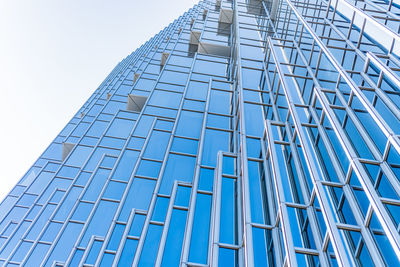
(246, 133)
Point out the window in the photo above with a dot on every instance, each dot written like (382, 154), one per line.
(66, 149)
(164, 58)
(226, 15)
(194, 37)
(136, 102)
(214, 49)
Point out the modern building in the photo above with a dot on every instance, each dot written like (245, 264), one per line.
(246, 133)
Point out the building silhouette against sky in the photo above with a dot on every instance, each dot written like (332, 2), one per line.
(246, 133)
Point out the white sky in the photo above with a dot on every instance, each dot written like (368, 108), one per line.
(53, 55)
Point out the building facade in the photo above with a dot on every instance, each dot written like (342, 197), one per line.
(246, 133)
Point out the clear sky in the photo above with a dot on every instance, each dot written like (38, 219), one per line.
(53, 55)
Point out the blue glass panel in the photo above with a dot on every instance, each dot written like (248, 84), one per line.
(40, 182)
(37, 254)
(107, 260)
(13, 241)
(189, 124)
(259, 247)
(174, 77)
(94, 252)
(104, 213)
(114, 190)
(9, 229)
(136, 143)
(365, 257)
(80, 129)
(149, 168)
(124, 89)
(253, 147)
(220, 102)
(51, 231)
(255, 187)
(21, 251)
(176, 232)
(301, 259)
(139, 197)
(357, 140)
(227, 257)
(149, 252)
(116, 236)
(206, 179)
(40, 222)
(157, 145)
(26, 200)
(386, 249)
(108, 162)
(160, 210)
(151, 68)
(98, 155)
(214, 141)
(209, 67)
(128, 253)
(145, 84)
(252, 96)
(179, 168)
(183, 196)
(253, 116)
(67, 129)
(294, 226)
(82, 179)
(68, 172)
(127, 115)
(112, 142)
(79, 155)
(201, 227)
(137, 225)
(222, 122)
(165, 99)
(125, 165)
(184, 145)
(77, 257)
(56, 183)
(65, 243)
(197, 90)
(170, 87)
(97, 128)
(17, 190)
(180, 61)
(228, 165)
(143, 126)
(52, 167)
(105, 117)
(120, 128)
(94, 110)
(82, 212)
(164, 125)
(72, 140)
(228, 211)
(54, 151)
(30, 176)
(113, 107)
(32, 213)
(96, 185)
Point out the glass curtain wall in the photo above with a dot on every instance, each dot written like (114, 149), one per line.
(246, 133)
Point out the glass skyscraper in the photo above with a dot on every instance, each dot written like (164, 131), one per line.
(246, 133)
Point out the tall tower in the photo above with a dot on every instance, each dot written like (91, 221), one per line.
(246, 133)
